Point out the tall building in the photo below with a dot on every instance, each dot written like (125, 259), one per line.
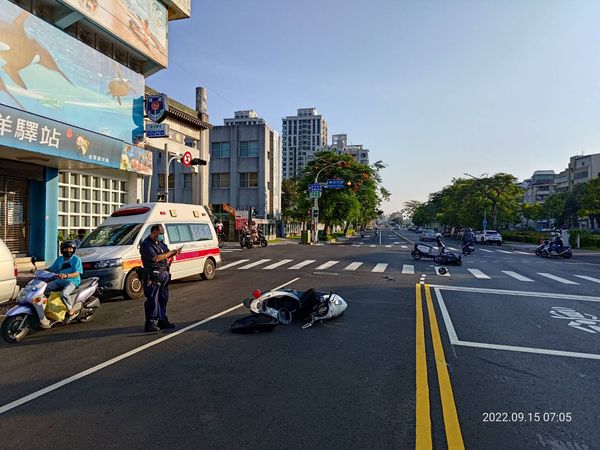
(71, 113)
(583, 168)
(245, 166)
(339, 143)
(539, 186)
(302, 136)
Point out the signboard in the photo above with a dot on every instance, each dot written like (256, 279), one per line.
(25, 131)
(140, 24)
(228, 209)
(484, 223)
(315, 213)
(335, 184)
(314, 194)
(186, 159)
(66, 80)
(157, 130)
(157, 107)
(316, 187)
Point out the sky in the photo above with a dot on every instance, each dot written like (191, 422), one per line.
(433, 88)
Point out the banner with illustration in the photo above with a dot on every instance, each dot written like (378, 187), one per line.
(27, 131)
(47, 72)
(139, 23)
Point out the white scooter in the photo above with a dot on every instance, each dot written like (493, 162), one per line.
(283, 306)
(31, 303)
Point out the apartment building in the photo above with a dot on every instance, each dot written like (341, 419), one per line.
(339, 143)
(302, 136)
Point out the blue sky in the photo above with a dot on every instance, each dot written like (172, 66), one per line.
(432, 88)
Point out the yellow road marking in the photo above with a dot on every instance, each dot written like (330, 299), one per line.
(451, 423)
(423, 416)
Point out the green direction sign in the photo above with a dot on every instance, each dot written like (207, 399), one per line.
(314, 194)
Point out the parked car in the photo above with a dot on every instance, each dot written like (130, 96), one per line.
(427, 235)
(8, 274)
(488, 237)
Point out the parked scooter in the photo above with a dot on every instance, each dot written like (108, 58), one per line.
(545, 251)
(29, 312)
(438, 254)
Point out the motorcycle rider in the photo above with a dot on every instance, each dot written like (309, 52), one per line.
(219, 230)
(440, 244)
(468, 238)
(254, 233)
(244, 232)
(362, 231)
(69, 268)
(556, 244)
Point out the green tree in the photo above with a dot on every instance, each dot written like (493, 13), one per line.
(590, 200)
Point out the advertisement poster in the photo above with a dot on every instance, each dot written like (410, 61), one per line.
(47, 72)
(140, 23)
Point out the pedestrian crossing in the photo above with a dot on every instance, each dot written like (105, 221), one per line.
(484, 274)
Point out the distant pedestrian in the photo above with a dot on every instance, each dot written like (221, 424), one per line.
(80, 237)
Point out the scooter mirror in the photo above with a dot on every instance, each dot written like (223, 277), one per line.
(33, 260)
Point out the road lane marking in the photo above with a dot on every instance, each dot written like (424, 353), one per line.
(453, 249)
(227, 266)
(408, 269)
(488, 251)
(254, 264)
(423, 413)
(380, 267)
(584, 277)
(116, 359)
(422, 280)
(504, 251)
(372, 246)
(388, 246)
(555, 278)
(522, 253)
(353, 266)
(545, 295)
(517, 276)
(277, 264)
(451, 422)
(302, 264)
(327, 265)
(479, 274)
(403, 246)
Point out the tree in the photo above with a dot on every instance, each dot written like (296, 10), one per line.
(290, 200)
(590, 200)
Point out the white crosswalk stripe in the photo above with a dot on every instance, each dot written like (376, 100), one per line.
(372, 246)
(453, 249)
(300, 265)
(254, 264)
(479, 274)
(327, 265)
(585, 277)
(488, 251)
(353, 266)
(403, 246)
(522, 253)
(554, 277)
(408, 269)
(504, 251)
(380, 267)
(388, 246)
(277, 264)
(236, 263)
(517, 276)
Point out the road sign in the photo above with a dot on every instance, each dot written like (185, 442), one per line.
(335, 184)
(186, 159)
(315, 212)
(314, 194)
(316, 187)
(157, 130)
(484, 223)
(157, 107)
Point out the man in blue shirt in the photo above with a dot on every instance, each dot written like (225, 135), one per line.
(69, 269)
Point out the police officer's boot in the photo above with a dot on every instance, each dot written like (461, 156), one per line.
(164, 324)
(149, 326)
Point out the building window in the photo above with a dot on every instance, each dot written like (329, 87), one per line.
(580, 175)
(220, 180)
(249, 180)
(187, 180)
(220, 150)
(161, 181)
(248, 149)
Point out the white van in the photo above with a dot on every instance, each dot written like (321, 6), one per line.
(112, 251)
(8, 274)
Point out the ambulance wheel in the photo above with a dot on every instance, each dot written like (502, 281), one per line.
(209, 270)
(133, 289)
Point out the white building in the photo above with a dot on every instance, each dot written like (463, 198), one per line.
(303, 135)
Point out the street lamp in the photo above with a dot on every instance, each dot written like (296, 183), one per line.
(484, 223)
(316, 203)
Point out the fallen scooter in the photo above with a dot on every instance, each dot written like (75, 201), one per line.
(284, 306)
(32, 303)
(438, 254)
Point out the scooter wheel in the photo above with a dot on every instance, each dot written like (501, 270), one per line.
(249, 245)
(567, 255)
(440, 259)
(544, 254)
(538, 253)
(89, 315)
(15, 328)
(263, 242)
(416, 255)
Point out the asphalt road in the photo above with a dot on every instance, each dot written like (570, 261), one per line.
(502, 352)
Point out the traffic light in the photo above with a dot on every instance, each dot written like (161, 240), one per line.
(198, 162)
(349, 183)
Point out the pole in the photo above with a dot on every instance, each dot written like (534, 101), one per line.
(166, 177)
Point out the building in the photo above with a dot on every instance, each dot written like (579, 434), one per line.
(583, 168)
(539, 186)
(302, 136)
(339, 143)
(245, 166)
(71, 113)
(188, 132)
(561, 181)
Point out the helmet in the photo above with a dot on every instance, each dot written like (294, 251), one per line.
(555, 234)
(438, 235)
(68, 244)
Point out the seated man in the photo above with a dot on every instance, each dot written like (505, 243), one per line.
(557, 243)
(69, 268)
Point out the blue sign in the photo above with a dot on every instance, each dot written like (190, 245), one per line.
(335, 184)
(484, 223)
(157, 130)
(316, 187)
(157, 107)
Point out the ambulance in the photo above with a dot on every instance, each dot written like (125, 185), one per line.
(112, 251)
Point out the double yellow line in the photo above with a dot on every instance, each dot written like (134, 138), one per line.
(423, 413)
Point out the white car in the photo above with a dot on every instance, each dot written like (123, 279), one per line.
(8, 274)
(488, 237)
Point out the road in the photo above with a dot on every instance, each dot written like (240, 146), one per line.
(501, 352)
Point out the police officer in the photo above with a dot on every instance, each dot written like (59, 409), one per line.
(155, 258)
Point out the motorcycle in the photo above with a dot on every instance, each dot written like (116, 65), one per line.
(468, 248)
(247, 241)
(439, 256)
(544, 250)
(220, 239)
(31, 303)
(362, 234)
(284, 306)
